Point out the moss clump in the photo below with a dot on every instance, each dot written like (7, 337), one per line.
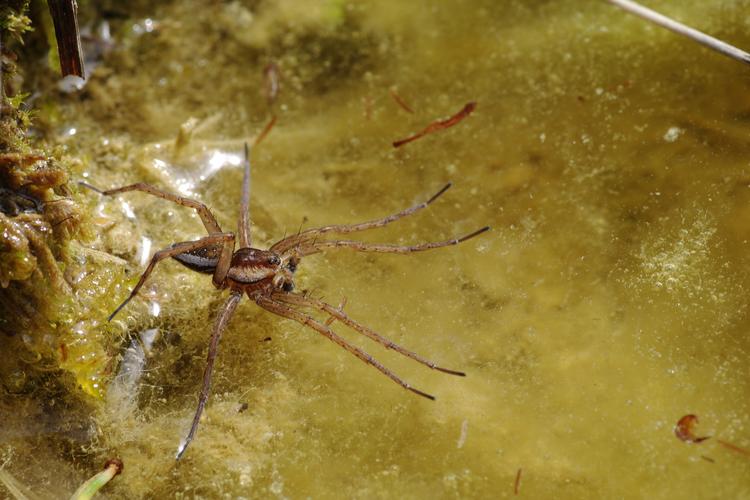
(13, 20)
(48, 282)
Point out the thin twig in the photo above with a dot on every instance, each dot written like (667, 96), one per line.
(400, 101)
(679, 28)
(733, 447)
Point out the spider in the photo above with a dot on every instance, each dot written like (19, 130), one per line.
(267, 276)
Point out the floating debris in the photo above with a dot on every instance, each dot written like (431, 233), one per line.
(517, 483)
(439, 125)
(682, 29)
(685, 427)
(400, 101)
(271, 74)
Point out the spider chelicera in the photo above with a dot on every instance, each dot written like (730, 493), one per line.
(266, 276)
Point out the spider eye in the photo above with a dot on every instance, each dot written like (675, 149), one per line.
(288, 286)
(274, 260)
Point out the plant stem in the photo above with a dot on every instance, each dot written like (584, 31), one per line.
(679, 28)
(91, 487)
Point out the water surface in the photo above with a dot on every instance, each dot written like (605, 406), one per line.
(608, 300)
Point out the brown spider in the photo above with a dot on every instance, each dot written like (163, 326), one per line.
(266, 276)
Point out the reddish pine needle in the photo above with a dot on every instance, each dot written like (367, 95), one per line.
(265, 131)
(685, 427)
(517, 483)
(439, 125)
(733, 447)
(400, 101)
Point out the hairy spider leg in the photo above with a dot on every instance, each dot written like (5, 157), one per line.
(337, 313)
(178, 248)
(243, 224)
(340, 308)
(282, 309)
(221, 323)
(359, 246)
(285, 244)
(209, 221)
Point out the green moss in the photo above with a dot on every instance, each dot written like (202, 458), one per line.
(49, 284)
(14, 22)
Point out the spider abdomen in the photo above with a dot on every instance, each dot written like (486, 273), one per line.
(203, 260)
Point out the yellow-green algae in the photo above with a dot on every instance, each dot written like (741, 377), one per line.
(50, 285)
(609, 300)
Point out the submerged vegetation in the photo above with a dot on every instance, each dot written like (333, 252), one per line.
(51, 284)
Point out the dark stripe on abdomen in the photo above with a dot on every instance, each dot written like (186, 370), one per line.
(203, 260)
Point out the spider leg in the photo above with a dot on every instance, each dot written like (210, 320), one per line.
(224, 262)
(209, 221)
(284, 310)
(221, 324)
(243, 224)
(360, 246)
(337, 313)
(243, 229)
(340, 308)
(292, 241)
(175, 249)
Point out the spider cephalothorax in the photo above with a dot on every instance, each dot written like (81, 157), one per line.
(250, 266)
(266, 276)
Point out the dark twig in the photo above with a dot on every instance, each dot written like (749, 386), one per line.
(65, 17)
(681, 29)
